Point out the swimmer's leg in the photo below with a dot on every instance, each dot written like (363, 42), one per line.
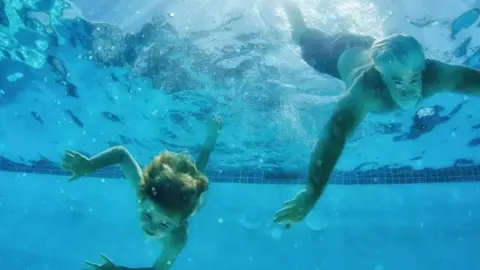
(297, 22)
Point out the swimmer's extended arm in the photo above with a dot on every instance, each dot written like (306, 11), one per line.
(347, 115)
(456, 78)
(80, 165)
(117, 155)
(172, 246)
(350, 111)
(213, 131)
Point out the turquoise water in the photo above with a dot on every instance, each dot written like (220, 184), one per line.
(49, 224)
(88, 75)
(66, 75)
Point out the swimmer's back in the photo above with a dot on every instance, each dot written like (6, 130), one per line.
(322, 51)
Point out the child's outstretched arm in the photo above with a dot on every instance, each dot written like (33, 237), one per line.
(172, 246)
(80, 165)
(213, 130)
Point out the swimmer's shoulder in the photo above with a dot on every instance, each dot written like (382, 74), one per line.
(351, 63)
(431, 71)
(370, 86)
(434, 70)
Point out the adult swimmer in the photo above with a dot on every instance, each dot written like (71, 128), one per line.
(381, 76)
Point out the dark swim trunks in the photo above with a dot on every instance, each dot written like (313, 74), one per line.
(322, 51)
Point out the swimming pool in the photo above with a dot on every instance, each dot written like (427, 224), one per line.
(405, 194)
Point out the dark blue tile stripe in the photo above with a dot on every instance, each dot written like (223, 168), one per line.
(380, 176)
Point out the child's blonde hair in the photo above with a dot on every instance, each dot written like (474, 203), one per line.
(173, 181)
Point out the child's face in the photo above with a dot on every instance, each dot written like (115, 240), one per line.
(155, 221)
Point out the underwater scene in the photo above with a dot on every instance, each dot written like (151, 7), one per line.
(254, 134)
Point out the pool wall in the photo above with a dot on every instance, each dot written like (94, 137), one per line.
(460, 171)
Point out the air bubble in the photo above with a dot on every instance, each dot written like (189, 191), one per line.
(276, 233)
(252, 220)
(220, 220)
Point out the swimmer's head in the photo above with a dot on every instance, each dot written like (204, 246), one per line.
(171, 189)
(400, 60)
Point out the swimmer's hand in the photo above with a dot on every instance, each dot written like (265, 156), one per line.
(76, 163)
(108, 265)
(296, 209)
(214, 127)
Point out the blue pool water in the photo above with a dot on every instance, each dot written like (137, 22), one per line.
(87, 75)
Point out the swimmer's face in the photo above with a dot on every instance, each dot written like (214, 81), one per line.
(403, 78)
(155, 221)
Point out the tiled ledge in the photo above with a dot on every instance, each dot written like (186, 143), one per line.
(379, 176)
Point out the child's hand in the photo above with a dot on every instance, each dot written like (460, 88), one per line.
(214, 126)
(108, 265)
(76, 163)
